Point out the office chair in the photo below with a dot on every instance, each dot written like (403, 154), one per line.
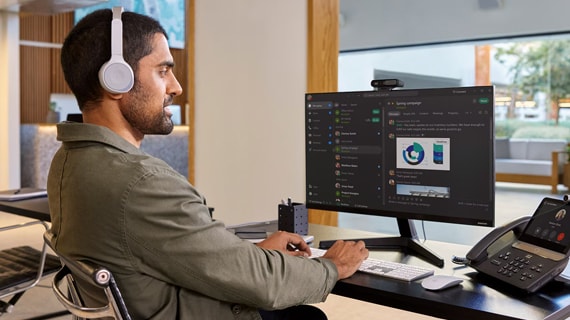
(21, 268)
(89, 276)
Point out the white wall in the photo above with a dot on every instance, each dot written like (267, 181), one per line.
(250, 85)
(386, 23)
(9, 101)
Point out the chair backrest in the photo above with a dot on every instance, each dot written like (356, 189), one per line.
(87, 276)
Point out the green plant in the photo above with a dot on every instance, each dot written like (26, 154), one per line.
(543, 132)
(53, 106)
(506, 128)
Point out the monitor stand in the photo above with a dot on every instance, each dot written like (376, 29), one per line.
(407, 242)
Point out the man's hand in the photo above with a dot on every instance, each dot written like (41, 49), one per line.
(347, 256)
(289, 243)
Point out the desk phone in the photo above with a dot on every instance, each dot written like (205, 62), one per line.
(535, 254)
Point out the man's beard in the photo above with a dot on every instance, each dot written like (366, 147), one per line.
(137, 113)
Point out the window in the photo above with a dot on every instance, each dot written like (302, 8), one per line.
(531, 76)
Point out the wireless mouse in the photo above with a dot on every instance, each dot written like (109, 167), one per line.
(440, 282)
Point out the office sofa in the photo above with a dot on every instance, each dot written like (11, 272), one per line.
(535, 161)
(38, 144)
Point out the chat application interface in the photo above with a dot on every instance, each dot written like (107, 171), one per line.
(408, 150)
(344, 142)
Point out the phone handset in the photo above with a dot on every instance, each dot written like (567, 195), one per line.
(479, 252)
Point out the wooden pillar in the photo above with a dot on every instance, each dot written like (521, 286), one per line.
(322, 66)
(190, 88)
(483, 65)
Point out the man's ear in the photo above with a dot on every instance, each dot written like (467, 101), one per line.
(112, 96)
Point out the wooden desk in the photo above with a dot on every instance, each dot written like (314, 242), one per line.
(35, 208)
(478, 297)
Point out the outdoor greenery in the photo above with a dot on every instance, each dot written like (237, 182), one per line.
(543, 132)
(539, 67)
(524, 129)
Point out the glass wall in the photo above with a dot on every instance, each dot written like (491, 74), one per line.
(531, 77)
(532, 81)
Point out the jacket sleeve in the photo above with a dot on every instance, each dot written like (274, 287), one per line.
(171, 237)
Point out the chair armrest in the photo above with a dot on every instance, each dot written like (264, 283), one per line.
(93, 274)
(23, 225)
(556, 159)
(84, 269)
(555, 169)
(71, 306)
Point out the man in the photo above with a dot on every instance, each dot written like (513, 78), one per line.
(117, 206)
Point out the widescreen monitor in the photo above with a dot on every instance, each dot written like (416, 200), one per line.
(421, 154)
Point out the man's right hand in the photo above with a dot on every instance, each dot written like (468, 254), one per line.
(347, 256)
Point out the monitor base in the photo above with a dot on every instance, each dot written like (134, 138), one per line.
(403, 244)
(407, 242)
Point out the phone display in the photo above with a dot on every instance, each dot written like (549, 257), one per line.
(549, 226)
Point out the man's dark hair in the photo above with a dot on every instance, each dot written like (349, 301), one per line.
(88, 46)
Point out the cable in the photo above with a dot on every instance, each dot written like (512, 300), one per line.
(455, 259)
(460, 260)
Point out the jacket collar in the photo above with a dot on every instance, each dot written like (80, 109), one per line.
(75, 132)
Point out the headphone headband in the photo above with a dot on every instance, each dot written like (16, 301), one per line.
(116, 76)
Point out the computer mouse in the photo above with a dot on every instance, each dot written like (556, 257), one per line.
(440, 282)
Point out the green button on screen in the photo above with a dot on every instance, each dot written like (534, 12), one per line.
(483, 100)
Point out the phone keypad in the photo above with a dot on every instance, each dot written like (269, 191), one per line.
(510, 265)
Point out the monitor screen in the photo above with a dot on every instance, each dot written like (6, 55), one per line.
(424, 154)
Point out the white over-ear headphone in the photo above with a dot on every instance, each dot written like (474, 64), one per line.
(116, 76)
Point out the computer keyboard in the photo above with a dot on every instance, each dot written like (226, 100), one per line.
(388, 269)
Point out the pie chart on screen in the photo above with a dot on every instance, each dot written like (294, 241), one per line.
(414, 154)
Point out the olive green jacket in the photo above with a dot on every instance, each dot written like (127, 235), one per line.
(115, 205)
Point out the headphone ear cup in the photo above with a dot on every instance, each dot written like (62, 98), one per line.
(116, 76)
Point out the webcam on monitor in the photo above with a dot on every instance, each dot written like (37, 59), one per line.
(386, 84)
